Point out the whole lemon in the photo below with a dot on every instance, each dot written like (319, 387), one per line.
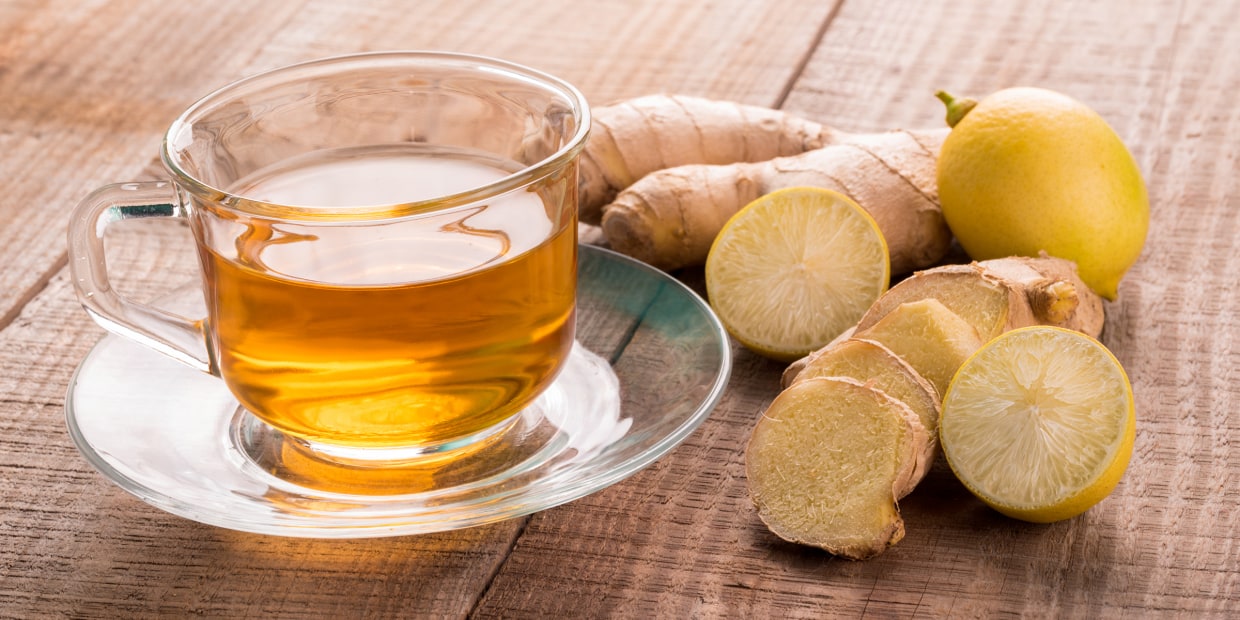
(1028, 170)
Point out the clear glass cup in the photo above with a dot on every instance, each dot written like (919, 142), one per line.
(387, 242)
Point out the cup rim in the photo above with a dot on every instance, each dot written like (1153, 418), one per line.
(521, 178)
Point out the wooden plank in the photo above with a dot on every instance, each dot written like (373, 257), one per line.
(681, 539)
(736, 49)
(89, 89)
(86, 100)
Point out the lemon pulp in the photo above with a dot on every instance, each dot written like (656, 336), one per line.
(1039, 423)
(794, 269)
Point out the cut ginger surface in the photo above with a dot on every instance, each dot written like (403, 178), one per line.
(826, 462)
(933, 340)
(876, 366)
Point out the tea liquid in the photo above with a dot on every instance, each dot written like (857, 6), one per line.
(387, 334)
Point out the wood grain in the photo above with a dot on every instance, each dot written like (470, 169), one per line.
(88, 87)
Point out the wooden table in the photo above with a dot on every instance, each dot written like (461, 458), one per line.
(87, 87)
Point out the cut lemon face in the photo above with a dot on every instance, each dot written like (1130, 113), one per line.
(794, 269)
(1039, 423)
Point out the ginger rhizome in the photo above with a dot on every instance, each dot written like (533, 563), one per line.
(907, 347)
(663, 174)
(992, 297)
(999, 295)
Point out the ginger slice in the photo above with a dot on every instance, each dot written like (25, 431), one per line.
(877, 366)
(932, 339)
(869, 361)
(826, 462)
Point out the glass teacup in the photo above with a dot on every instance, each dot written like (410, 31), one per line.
(387, 243)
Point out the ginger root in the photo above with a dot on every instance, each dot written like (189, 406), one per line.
(827, 462)
(676, 168)
(633, 138)
(1001, 294)
(993, 297)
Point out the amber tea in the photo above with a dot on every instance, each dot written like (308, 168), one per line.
(417, 333)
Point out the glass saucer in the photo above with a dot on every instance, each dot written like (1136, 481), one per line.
(651, 362)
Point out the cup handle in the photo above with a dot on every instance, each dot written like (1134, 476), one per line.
(171, 334)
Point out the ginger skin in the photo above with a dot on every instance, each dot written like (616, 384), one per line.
(676, 168)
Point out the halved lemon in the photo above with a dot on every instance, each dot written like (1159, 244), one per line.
(794, 269)
(1039, 423)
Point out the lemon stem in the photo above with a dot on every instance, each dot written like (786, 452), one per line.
(956, 108)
